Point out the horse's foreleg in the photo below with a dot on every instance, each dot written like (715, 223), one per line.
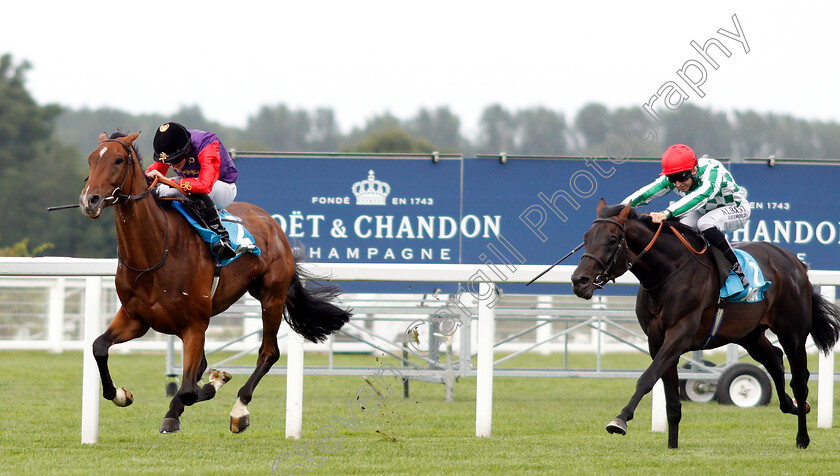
(673, 406)
(269, 354)
(194, 365)
(664, 358)
(122, 329)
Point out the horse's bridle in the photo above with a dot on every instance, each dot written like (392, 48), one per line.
(118, 197)
(608, 270)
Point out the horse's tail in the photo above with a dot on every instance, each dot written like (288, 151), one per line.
(825, 322)
(309, 311)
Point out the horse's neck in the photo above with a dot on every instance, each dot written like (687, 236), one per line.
(141, 227)
(663, 256)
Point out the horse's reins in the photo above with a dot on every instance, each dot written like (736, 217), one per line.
(118, 197)
(605, 276)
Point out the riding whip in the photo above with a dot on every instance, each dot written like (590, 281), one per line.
(555, 264)
(63, 207)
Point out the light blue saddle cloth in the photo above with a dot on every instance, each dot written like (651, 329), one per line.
(240, 238)
(733, 290)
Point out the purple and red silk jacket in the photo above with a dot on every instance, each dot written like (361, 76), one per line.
(211, 163)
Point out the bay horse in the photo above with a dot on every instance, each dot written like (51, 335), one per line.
(165, 274)
(678, 298)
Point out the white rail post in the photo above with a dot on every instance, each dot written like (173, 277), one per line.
(658, 419)
(825, 388)
(90, 372)
(484, 377)
(55, 316)
(294, 386)
(544, 332)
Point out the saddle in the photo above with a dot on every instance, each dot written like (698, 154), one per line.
(241, 239)
(732, 290)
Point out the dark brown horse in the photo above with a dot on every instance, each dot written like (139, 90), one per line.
(165, 274)
(678, 298)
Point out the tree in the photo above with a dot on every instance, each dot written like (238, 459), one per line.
(497, 130)
(37, 172)
(22, 122)
(593, 121)
(541, 132)
(634, 134)
(440, 127)
(280, 128)
(393, 140)
(707, 132)
(324, 134)
(752, 135)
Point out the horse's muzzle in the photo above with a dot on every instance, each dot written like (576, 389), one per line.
(583, 286)
(91, 205)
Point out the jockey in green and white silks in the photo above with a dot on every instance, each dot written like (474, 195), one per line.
(711, 200)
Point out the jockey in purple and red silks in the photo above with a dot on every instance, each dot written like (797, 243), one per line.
(206, 172)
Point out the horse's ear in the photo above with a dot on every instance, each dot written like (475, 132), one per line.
(624, 213)
(102, 137)
(601, 206)
(129, 139)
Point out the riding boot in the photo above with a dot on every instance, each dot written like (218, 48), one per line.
(716, 238)
(223, 248)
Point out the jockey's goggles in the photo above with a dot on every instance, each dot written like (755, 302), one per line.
(679, 176)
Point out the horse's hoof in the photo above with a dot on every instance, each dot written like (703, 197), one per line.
(240, 424)
(617, 426)
(802, 444)
(807, 409)
(170, 425)
(123, 398)
(219, 378)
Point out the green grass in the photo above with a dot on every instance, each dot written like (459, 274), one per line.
(540, 426)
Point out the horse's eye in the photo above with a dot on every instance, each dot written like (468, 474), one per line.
(613, 240)
(118, 161)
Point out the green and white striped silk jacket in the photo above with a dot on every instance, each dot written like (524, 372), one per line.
(715, 188)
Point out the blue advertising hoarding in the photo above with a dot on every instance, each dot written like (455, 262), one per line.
(523, 211)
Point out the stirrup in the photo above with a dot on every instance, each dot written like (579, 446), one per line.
(736, 268)
(224, 250)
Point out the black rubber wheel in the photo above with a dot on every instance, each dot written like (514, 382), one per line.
(698, 390)
(744, 385)
(171, 389)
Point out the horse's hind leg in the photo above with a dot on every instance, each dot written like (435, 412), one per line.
(799, 383)
(770, 356)
(122, 329)
(272, 315)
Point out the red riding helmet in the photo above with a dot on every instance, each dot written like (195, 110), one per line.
(677, 158)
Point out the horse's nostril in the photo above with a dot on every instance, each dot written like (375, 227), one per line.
(94, 200)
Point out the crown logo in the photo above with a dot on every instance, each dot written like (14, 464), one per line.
(371, 191)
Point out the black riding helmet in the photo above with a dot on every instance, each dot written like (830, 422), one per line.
(171, 143)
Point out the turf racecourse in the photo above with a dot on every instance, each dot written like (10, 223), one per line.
(540, 426)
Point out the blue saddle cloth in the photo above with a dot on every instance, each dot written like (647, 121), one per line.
(733, 290)
(240, 238)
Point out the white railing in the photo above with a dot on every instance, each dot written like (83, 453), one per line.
(94, 270)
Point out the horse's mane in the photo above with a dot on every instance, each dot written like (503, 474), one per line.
(119, 134)
(613, 210)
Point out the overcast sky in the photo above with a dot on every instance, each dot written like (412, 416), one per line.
(362, 58)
